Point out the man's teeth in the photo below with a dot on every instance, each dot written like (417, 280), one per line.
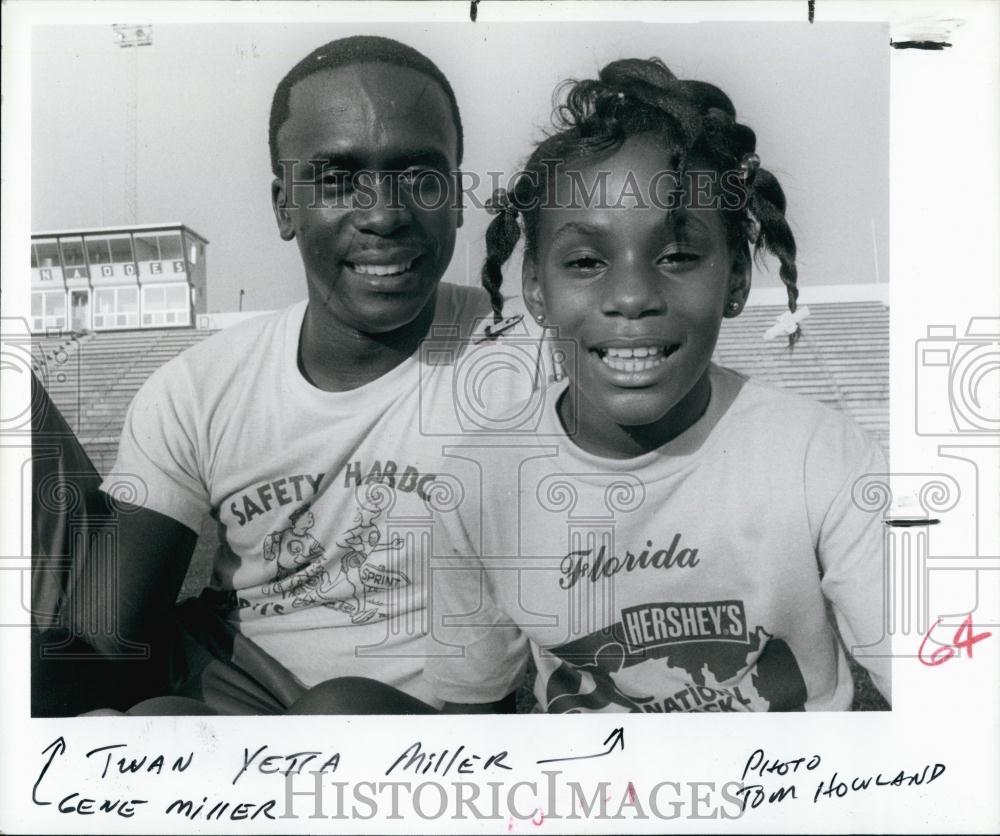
(635, 359)
(382, 269)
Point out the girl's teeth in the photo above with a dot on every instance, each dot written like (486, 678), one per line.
(636, 351)
(382, 269)
(637, 359)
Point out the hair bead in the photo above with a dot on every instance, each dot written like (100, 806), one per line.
(500, 203)
(749, 165)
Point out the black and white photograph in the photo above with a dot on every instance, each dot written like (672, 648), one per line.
(455, 360)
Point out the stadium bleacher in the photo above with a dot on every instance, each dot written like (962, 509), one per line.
(93, 377)
(841, 360)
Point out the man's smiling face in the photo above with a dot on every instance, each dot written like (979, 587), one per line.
(373, 251)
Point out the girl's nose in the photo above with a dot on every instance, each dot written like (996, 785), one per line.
(634, 290)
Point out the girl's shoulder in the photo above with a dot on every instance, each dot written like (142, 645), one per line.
(794, 422)
(758, 395)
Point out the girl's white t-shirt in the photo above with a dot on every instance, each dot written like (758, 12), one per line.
(696, 577)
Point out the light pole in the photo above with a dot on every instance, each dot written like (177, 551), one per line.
(130, 36)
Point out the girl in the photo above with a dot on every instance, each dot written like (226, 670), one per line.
(678, 546)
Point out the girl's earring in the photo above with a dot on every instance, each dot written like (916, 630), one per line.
(557, 356)
(733, 307)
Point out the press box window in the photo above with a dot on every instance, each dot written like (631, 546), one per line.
(165, 305)
(110, 257)
(121, 250)
(146, 248)
(171, 247)
(116, 307)
(159, 247)
(72, 252)
(48, 310)
(45, 254)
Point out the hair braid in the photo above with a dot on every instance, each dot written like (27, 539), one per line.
(501, 237)
(767, 205)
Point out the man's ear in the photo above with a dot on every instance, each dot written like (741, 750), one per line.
(739, 282)
(279, 203)
(531, 289)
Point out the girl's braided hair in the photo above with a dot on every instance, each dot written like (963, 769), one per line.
(697, 121)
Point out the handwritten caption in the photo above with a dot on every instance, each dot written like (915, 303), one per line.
(118, 759)
(123, 780)
(818, 782)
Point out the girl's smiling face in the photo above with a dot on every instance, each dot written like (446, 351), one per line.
(642, 296)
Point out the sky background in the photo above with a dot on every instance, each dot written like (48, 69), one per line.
(816, 96)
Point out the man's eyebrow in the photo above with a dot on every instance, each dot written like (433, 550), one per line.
(335, 159)
(419, 156)
(349, 161)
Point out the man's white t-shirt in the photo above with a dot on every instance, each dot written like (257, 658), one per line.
(696, 577)
(329, 503)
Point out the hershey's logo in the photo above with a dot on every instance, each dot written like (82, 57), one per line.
(655, 625)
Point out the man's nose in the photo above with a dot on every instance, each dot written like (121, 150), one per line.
(379, 206)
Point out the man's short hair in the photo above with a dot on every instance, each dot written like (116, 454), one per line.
(360, 49)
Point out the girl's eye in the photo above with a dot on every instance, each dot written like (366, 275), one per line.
(583, 263)
(679, 258)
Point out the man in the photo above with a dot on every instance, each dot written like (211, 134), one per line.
(314, 410)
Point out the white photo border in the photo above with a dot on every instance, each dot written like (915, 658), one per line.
(943, 264)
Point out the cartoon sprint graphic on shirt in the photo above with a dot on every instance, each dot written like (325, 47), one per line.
(677, 657)
(361, 542)
(293, 547)
(304, 570)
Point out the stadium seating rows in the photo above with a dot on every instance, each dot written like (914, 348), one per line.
(842, 360)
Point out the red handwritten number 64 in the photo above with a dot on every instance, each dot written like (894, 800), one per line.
(964, 637)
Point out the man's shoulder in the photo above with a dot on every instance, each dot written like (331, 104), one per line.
(268, 326)
(224, 356)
